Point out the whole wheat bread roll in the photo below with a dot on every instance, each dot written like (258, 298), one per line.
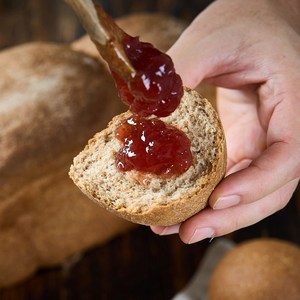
(259, 269)
(152, 200)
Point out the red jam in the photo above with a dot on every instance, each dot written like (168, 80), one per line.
(149, 145)
(156, 89)
(152, 146)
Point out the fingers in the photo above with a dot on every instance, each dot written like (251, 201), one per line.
(244, 163)
(213, 223)
(162, 230)
(273, 169)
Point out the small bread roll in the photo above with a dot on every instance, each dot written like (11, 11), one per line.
(261, 269)
(145, 198)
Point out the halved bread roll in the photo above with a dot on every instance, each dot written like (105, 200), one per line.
(145, 198)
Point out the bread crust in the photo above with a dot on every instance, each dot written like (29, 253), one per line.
(145, 198)
(261, 268)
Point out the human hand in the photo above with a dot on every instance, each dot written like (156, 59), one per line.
(251, 51)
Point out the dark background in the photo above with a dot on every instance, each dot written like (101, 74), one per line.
(52, 20)
(138, 264)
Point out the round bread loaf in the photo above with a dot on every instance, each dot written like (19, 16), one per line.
(147, 199)
(259, 269)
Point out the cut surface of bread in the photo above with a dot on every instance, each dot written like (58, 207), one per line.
(145, 198)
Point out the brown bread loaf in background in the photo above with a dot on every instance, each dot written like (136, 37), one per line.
(259, 269)
(52, 100)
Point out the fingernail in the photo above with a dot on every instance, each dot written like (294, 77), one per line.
(227, 201)
(170, 230)
(201, 234)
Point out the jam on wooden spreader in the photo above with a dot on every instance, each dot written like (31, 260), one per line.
(156, 89)
(149, 145)
(148, 84)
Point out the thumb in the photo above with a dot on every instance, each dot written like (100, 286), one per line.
(214, 49)
(212, 58)
(204, 49)
(189, 59)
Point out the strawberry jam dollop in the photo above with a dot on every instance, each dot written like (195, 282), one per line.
(157, 88)
(150, 145)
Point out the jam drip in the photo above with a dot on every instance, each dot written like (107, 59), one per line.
(156, 89)
(152, 146)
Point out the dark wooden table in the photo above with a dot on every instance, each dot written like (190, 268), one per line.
(140, 265)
